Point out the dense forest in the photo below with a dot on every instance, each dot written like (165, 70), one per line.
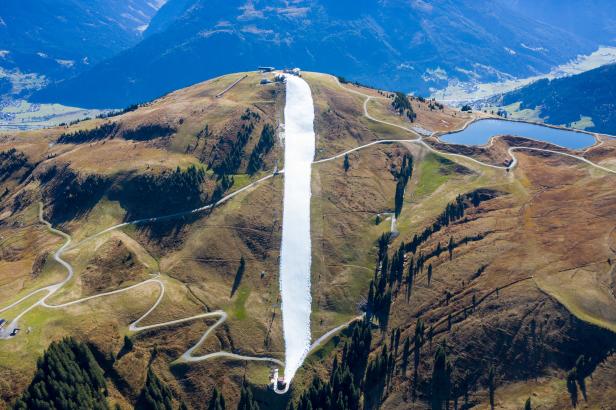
(155, 395)
(67, 377)
(342, 391)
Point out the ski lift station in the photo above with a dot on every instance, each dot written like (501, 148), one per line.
(293, 71)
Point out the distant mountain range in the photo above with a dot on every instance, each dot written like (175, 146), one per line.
(588, 98)
(591, 19)
(399, 44)
(410, 45)
(51, 40)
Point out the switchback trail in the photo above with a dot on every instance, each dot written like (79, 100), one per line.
(187, 357)
(135, 327)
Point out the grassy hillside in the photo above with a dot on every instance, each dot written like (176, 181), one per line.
(510, 270)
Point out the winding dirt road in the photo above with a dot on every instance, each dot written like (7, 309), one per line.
(420, 140)
(187, 357)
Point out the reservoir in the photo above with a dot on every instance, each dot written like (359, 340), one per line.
(480, 132)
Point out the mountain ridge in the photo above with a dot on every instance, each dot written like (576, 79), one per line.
(395, 44)
(60, 38)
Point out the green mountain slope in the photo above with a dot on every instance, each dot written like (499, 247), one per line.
(590, 95)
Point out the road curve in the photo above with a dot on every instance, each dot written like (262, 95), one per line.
(187, 356)
(134, 327)
(420, 140)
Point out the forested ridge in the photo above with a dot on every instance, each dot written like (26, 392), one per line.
(563, 101)
(144, 132)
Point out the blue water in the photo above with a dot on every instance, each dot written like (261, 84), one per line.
(480, 132)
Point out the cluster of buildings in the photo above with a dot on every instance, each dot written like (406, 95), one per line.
(278, 77)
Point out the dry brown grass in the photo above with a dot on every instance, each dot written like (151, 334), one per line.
(554, 221)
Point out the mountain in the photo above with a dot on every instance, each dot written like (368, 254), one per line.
(591, 19)
(488, 272)
(407, 45)
(57, 39)
(588, 98)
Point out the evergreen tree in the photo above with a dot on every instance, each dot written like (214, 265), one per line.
(410, 276)
(527, 405)
(155, 395)
(346, 165)
(67, 377)
(406, 350)
(238, 276)
(572, 387)
(440, 379)
(128, 344)
(376, 379)
(491, 381)
(429, 274)
(247, 402)
(418, 340)
(217, 402)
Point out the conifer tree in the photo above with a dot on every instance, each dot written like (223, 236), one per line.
(406, 350)
(217, 402)
(491, 381)
(128, 343)
(155, 394)
(239, 274)
(418, 340)
(440, 384)
(67, 377)
(247, 402)
(572, 387)
(429, 274)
